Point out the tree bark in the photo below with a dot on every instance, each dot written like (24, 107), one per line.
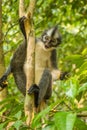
(2, 67)
(30, 73)
(30, 57)
(21, 8)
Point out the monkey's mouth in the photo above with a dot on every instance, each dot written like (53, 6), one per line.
(46, 46)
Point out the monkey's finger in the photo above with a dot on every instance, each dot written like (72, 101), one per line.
(3, 85)
(33, 89)
(22, 19)
(64, 75)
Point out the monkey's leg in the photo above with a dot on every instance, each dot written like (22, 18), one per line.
(45, 86)
(44, 90)
(3, 79)
(20, 80)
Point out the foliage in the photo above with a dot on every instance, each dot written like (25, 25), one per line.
(70, 107)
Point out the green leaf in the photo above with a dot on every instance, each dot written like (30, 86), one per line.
(82, 109)
(80, 125)
(71, 86)
(37, 119)
(18, 115)
(83, 67)
(83, 88)
(2, 111)
(65, 120)
(82, 76)
(49, 127)
(2, 126)
(17, 124)
(75, 59)
(84, 52)
(36, 122)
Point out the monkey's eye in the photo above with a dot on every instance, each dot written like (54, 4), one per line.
(54, 42)
(46, 38)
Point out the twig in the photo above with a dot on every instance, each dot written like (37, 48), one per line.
(81, 115)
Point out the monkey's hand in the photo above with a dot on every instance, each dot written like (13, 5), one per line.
(3, 82)
(57, 74)
(34, 89)
(64, 75)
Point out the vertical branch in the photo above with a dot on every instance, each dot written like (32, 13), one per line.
(21, 8)
(30, 57)
(3, 93)
(31, 8)
(30, 62)
(30, 73)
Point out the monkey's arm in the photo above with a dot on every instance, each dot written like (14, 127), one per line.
(56, 73)
(3, 79)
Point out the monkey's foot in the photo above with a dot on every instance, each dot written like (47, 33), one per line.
(33, 89)
(3, 82)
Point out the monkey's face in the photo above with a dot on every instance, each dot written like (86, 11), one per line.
(51, 38)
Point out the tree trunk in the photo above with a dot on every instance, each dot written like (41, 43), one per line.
(30, 73)
(2, 67)
(30, 57)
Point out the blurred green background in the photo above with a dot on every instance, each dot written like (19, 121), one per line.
(70, 96)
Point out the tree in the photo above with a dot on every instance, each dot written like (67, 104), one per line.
(69, 95)
(2, 67)
(30, 57)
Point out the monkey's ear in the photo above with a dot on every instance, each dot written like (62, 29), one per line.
(64, 75)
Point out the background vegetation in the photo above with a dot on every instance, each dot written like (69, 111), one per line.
(67, 108)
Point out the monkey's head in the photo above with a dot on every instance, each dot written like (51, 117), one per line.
(51, 38)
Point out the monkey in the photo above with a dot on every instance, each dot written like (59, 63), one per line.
(46, 70)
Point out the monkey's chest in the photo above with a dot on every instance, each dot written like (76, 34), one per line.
(41, 62)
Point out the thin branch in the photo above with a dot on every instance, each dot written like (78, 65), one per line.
(67, 105)
(81, 115)
(10, 28)
(11, 50)
(21, 8)
(31, 8)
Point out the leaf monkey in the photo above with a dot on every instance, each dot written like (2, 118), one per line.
(45, 64)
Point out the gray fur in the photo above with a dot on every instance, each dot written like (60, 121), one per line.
(45, 86)
(45, 63)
